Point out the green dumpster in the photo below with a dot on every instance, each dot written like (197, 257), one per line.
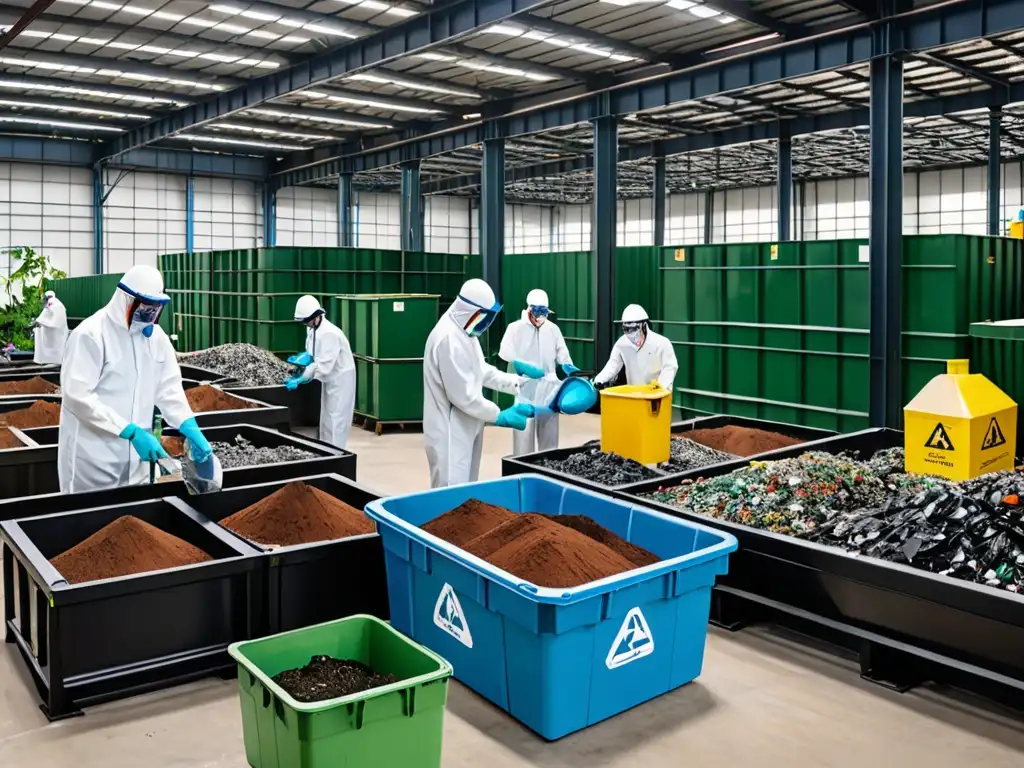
(997, 351)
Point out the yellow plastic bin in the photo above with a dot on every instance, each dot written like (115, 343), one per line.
(636, 422)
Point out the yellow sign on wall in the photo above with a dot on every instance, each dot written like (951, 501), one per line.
(680, 254)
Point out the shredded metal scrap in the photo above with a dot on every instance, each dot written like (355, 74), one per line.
(242, 453)
(250, 365)
(599, 467)
(689, 454)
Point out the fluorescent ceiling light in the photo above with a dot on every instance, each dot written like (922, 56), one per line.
(61, 124)
(371, 103)
(274, 132)
(748, 41)
(399, 82)
(510, 30)
(68, 108)
(703, 12)
(263, 34)
(500, 70)
(317, 118)
(76, 91)
(294, 39)
(430, 56)
(376, 5)
(240, 142)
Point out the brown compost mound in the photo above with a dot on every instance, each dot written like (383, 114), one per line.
(34, 386)
(175, 446)
(470, 519)
(207, 398)
(741, 441)
(42, 413)
(298, 514)
(328, 678)
(8, 440)
(125, 547)
(638, 556)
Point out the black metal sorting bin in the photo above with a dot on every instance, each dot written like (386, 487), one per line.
(38, 472)
(50, 375)
(96, 641)
(517, 465)
(907, 625)
(204, 375)
(302, 403)
(266, 415)
(29, 470)
(312, 583)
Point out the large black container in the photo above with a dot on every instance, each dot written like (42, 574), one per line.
(908, 625)
(266, 415)
(96, 641)
(204, 375)
(516, 465)
(302, 403)
(34, 470)
(51, 375)
(312, 583)
(17, 402)
(28, 471)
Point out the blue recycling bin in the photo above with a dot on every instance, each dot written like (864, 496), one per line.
(558, 660)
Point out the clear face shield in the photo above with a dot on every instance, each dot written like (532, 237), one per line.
(481, 319)
(142, 311)
(539, 315)
(634, 332)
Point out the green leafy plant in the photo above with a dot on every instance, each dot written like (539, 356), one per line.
(23, 288)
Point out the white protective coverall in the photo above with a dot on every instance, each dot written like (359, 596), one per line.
(52, 333)
(333, 366)
(113, 376)
(654, 361)
(454, 407)
(545, 348)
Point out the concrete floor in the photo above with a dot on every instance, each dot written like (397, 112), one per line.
(764, 699)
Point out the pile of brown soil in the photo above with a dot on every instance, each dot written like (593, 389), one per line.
(175, 446)
(34, 386)
(328, 678)
(126, 547)
(470, 519)
(549, 551)
(8, 440)
(298, 514)
(207, 398)
(41, 413)
(741, 441)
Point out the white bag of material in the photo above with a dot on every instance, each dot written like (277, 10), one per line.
(539, 392)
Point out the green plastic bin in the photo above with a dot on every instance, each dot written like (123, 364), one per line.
(997, 351)
(395, 726)
(389, 390)
(388, 326)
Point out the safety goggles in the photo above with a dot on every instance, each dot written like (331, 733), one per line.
(539, 311)
(481, 319)
(632, 327)
(143, 309)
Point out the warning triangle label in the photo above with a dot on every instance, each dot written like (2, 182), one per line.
(633, 642)
(448, 616)
(993, 436)
(939, 440)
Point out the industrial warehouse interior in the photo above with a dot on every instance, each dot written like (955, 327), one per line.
(572, 383)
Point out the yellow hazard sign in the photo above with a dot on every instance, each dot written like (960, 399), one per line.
(993, 436)
(939, 439)
(680, 254)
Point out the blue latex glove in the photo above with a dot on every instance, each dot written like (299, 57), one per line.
(293, 383)
(302, 358)
(528, 369)
(201, 449)
(569, 369)
(144, 443)
(525, 409)
(511, 417)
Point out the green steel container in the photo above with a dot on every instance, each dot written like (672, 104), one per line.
(385, 326)
(389, 390)
(997, 351)
(395, 726)
(780, 331)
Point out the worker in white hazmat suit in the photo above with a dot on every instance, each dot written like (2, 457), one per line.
(535, 339)
(118, 366)
(328, 359)
(647, 356)
(454, 375)
(51, 331)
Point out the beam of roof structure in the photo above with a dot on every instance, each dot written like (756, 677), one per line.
(964, 68)
(27, 17)
(745, 11)
(528, 67)
(11, 82)
(537, 21)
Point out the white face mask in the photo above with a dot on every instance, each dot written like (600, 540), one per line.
(636, 337)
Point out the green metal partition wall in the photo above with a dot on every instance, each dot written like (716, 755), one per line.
(780, 331)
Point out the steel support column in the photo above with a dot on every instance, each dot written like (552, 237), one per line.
(346, 238)
(269, 215)
(659, 198)
(603, 231)
(886, 232)
(785, 182)
(709, 214)
(995, 131)
(411, 213)
(492, 212)
(97, 219)
(190, 214)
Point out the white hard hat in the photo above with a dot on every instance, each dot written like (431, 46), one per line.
(634, 313)
(477, 292)
(537, 298)
(144, 282)
(306, 307)
(49, 295)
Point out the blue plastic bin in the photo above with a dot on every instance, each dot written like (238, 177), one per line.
(557, 660)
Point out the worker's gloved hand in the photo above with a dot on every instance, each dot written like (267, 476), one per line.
(599, 385)
(529, 370)
(200, 446)
(302, 358)
(144, 443)
(569, 369)
(511, 417)
(293, 383)
(525, 409)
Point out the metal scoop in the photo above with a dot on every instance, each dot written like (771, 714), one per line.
(199, 477)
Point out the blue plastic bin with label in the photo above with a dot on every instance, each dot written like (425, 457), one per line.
(557, 660)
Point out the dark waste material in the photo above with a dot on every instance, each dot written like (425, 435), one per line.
(741, 441)
(328, 678)
(545, 550)
(208, 398)
(125, 547)
(34, 386)
(298, 514)
(689, 454)
(599, 467)
(42, 413)
(8, 440)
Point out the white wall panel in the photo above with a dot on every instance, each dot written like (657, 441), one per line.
(143, 216)
(307, 216)
(377, 221)
(227, 214)
(528, 229)
(446, 224)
